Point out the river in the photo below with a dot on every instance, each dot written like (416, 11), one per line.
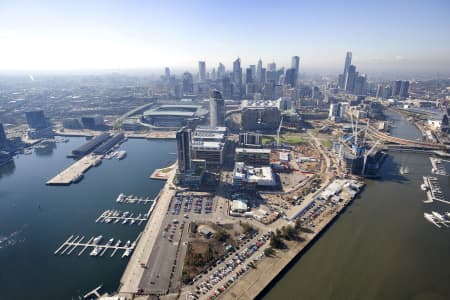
(381, 247)
(35, 219)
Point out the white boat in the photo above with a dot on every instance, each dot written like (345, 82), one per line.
(121, 154)
(108, 220)
(438, 216)
(97, 239)
(132, 221)
(429, 218)
(423, 187)
(121, 197)
(126, 253)
(96, 251)
(118, 243)
(404, 170)
(124, 221)
(109, 243)
(133, 245)
(128, 243)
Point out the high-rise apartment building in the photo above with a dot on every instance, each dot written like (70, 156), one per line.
(216, 110)
(201, 71)
(184, 150)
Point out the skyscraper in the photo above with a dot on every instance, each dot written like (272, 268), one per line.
(248, 75)
(184, 149)
(3, 138)
(350, 78)
(259, 72)
(272, 66)
(237, 72)
(404, 89)
(216, 109)
(295, 64)
(396, 89)
(201, 71)
(220, 71)
(343, 79)
(348, 62)
(290, 77)
(36, 119)
(167, 73)
(188, 83)
(379, 93)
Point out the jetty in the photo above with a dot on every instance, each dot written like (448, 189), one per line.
(74, 173)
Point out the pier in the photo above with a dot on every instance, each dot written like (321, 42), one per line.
(116, 216)
(74, 173)
(431, 187)
(437, 167)
(76, 243)
(131, 199)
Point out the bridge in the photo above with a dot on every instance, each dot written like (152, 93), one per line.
(404, 142)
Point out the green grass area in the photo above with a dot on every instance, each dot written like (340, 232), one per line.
(166, 170)
(294, 140)
(327, 144)
(267, 139)
(284, 139)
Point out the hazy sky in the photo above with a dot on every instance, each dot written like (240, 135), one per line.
(152, 34)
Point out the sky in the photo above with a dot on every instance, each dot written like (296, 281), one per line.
(70, 35)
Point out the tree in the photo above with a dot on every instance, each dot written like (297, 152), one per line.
(269, 251)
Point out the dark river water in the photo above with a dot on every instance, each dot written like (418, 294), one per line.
(35, 219)
(381, 247)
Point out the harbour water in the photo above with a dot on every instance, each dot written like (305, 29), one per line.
(381, 247)
(35, 219)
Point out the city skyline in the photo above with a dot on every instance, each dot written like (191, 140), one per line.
(383, 36)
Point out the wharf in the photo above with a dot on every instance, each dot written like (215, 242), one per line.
(433, 191)
(75, 172)
(437, 167)
(255, 282)
(132, 276)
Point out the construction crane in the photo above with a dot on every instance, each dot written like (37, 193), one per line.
(367, 154)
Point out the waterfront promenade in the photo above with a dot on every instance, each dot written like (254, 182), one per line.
(129, 283)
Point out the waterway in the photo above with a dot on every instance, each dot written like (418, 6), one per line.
(381, 247)
(35, 219)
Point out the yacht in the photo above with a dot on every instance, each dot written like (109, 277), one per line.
(98, 239)
(121, 197)
(96, 251)
(109, 243)
(121, 154)
(126, 253)
(438, 216)
(429, 218)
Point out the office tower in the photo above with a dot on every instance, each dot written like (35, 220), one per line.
(3, 137)
(272, 67)
(379, 93)
(290, 77)
(268, 90)
(259, 72)
(404, 89)
(387, 92)
(253, 67)
(201, 71)
(237, 72)
(36, 119)
(216, 109)
(213, 74)
(220, 71)
(263, 75)
(227, 87)
(184, 150)
(248, 75)
(295, 64)
(188, 83)
(167, 73)
(396, 88)
(348, 61)
(350, 78)
(360, 85)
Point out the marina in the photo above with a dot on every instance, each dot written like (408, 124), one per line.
(437, 167)
(434, 193)
(94, 247)
(131, 199)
